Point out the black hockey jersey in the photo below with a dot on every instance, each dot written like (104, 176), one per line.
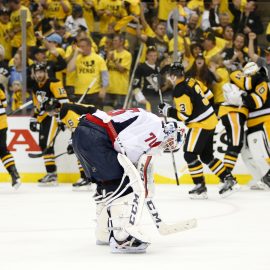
(258, 98)
(52, 88)
(146, 78)
(192, 106)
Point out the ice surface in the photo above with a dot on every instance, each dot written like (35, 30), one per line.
(53, 228)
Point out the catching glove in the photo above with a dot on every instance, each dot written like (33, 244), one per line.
(62, 126)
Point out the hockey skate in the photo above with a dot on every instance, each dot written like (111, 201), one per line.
(48, 180)
(15, 178)
(130, 245)
(265, 182)
(199, 192)
(229, 186)
(258, 186)
(83, 184)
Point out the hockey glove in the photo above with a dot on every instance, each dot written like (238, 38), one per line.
(70, 149)
(33, 124)
(62, 126)
(164, 109)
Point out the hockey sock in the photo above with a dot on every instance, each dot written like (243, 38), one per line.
(82, 174)
(8, 161)
(49, 163)
(218, 168)
(230, 159)
(196, 171)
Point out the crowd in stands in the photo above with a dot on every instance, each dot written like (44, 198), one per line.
(98, 40)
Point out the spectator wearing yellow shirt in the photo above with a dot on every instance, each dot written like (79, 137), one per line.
(56, 9)
(164, 8)
(5, 27)
(210, 47)
(89, 66)
(119, 63)
(109, 11)
(268, 32)
(15, 19)
(222, 76)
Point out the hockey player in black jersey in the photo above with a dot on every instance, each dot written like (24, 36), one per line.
(68, 114)
(43, 89)
(254, 81)
(194, 109)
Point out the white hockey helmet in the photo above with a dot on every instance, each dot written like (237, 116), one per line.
(250, 69)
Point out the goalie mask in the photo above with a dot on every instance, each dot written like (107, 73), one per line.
(174, 137)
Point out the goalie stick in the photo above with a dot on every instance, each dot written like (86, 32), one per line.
(165, 119)
(165, 229)
(162, 227)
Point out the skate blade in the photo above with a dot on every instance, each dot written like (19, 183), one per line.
(229, 192)
(16, 186)
(129, 250)
(51, 184)
(83, 189)
(102, 243)
(260, 186)
(202, 196)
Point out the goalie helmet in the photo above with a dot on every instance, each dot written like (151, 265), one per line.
(174, 137)
(250, 69)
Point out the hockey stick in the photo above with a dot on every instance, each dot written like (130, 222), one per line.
(87, 90)
(51, 144)
(23, 106)
(59, 155)
(165, 119)
(33, 155)
(163, 228)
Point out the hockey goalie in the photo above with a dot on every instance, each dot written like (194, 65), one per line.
(115, 150)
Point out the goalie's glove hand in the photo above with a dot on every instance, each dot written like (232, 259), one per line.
(163, 109)
(70, 149)
(62, 126)
(33, 125)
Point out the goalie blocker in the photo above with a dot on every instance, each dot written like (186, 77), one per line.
(98, 142)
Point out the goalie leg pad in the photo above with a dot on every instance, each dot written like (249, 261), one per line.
(146, 170)
(259, 150)
(101, 232)
(252, 167)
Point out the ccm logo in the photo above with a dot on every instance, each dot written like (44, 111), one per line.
(134, 209)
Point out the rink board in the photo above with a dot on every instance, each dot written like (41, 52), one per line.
(22, 141)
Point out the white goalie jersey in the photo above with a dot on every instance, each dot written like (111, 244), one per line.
(137, 130)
